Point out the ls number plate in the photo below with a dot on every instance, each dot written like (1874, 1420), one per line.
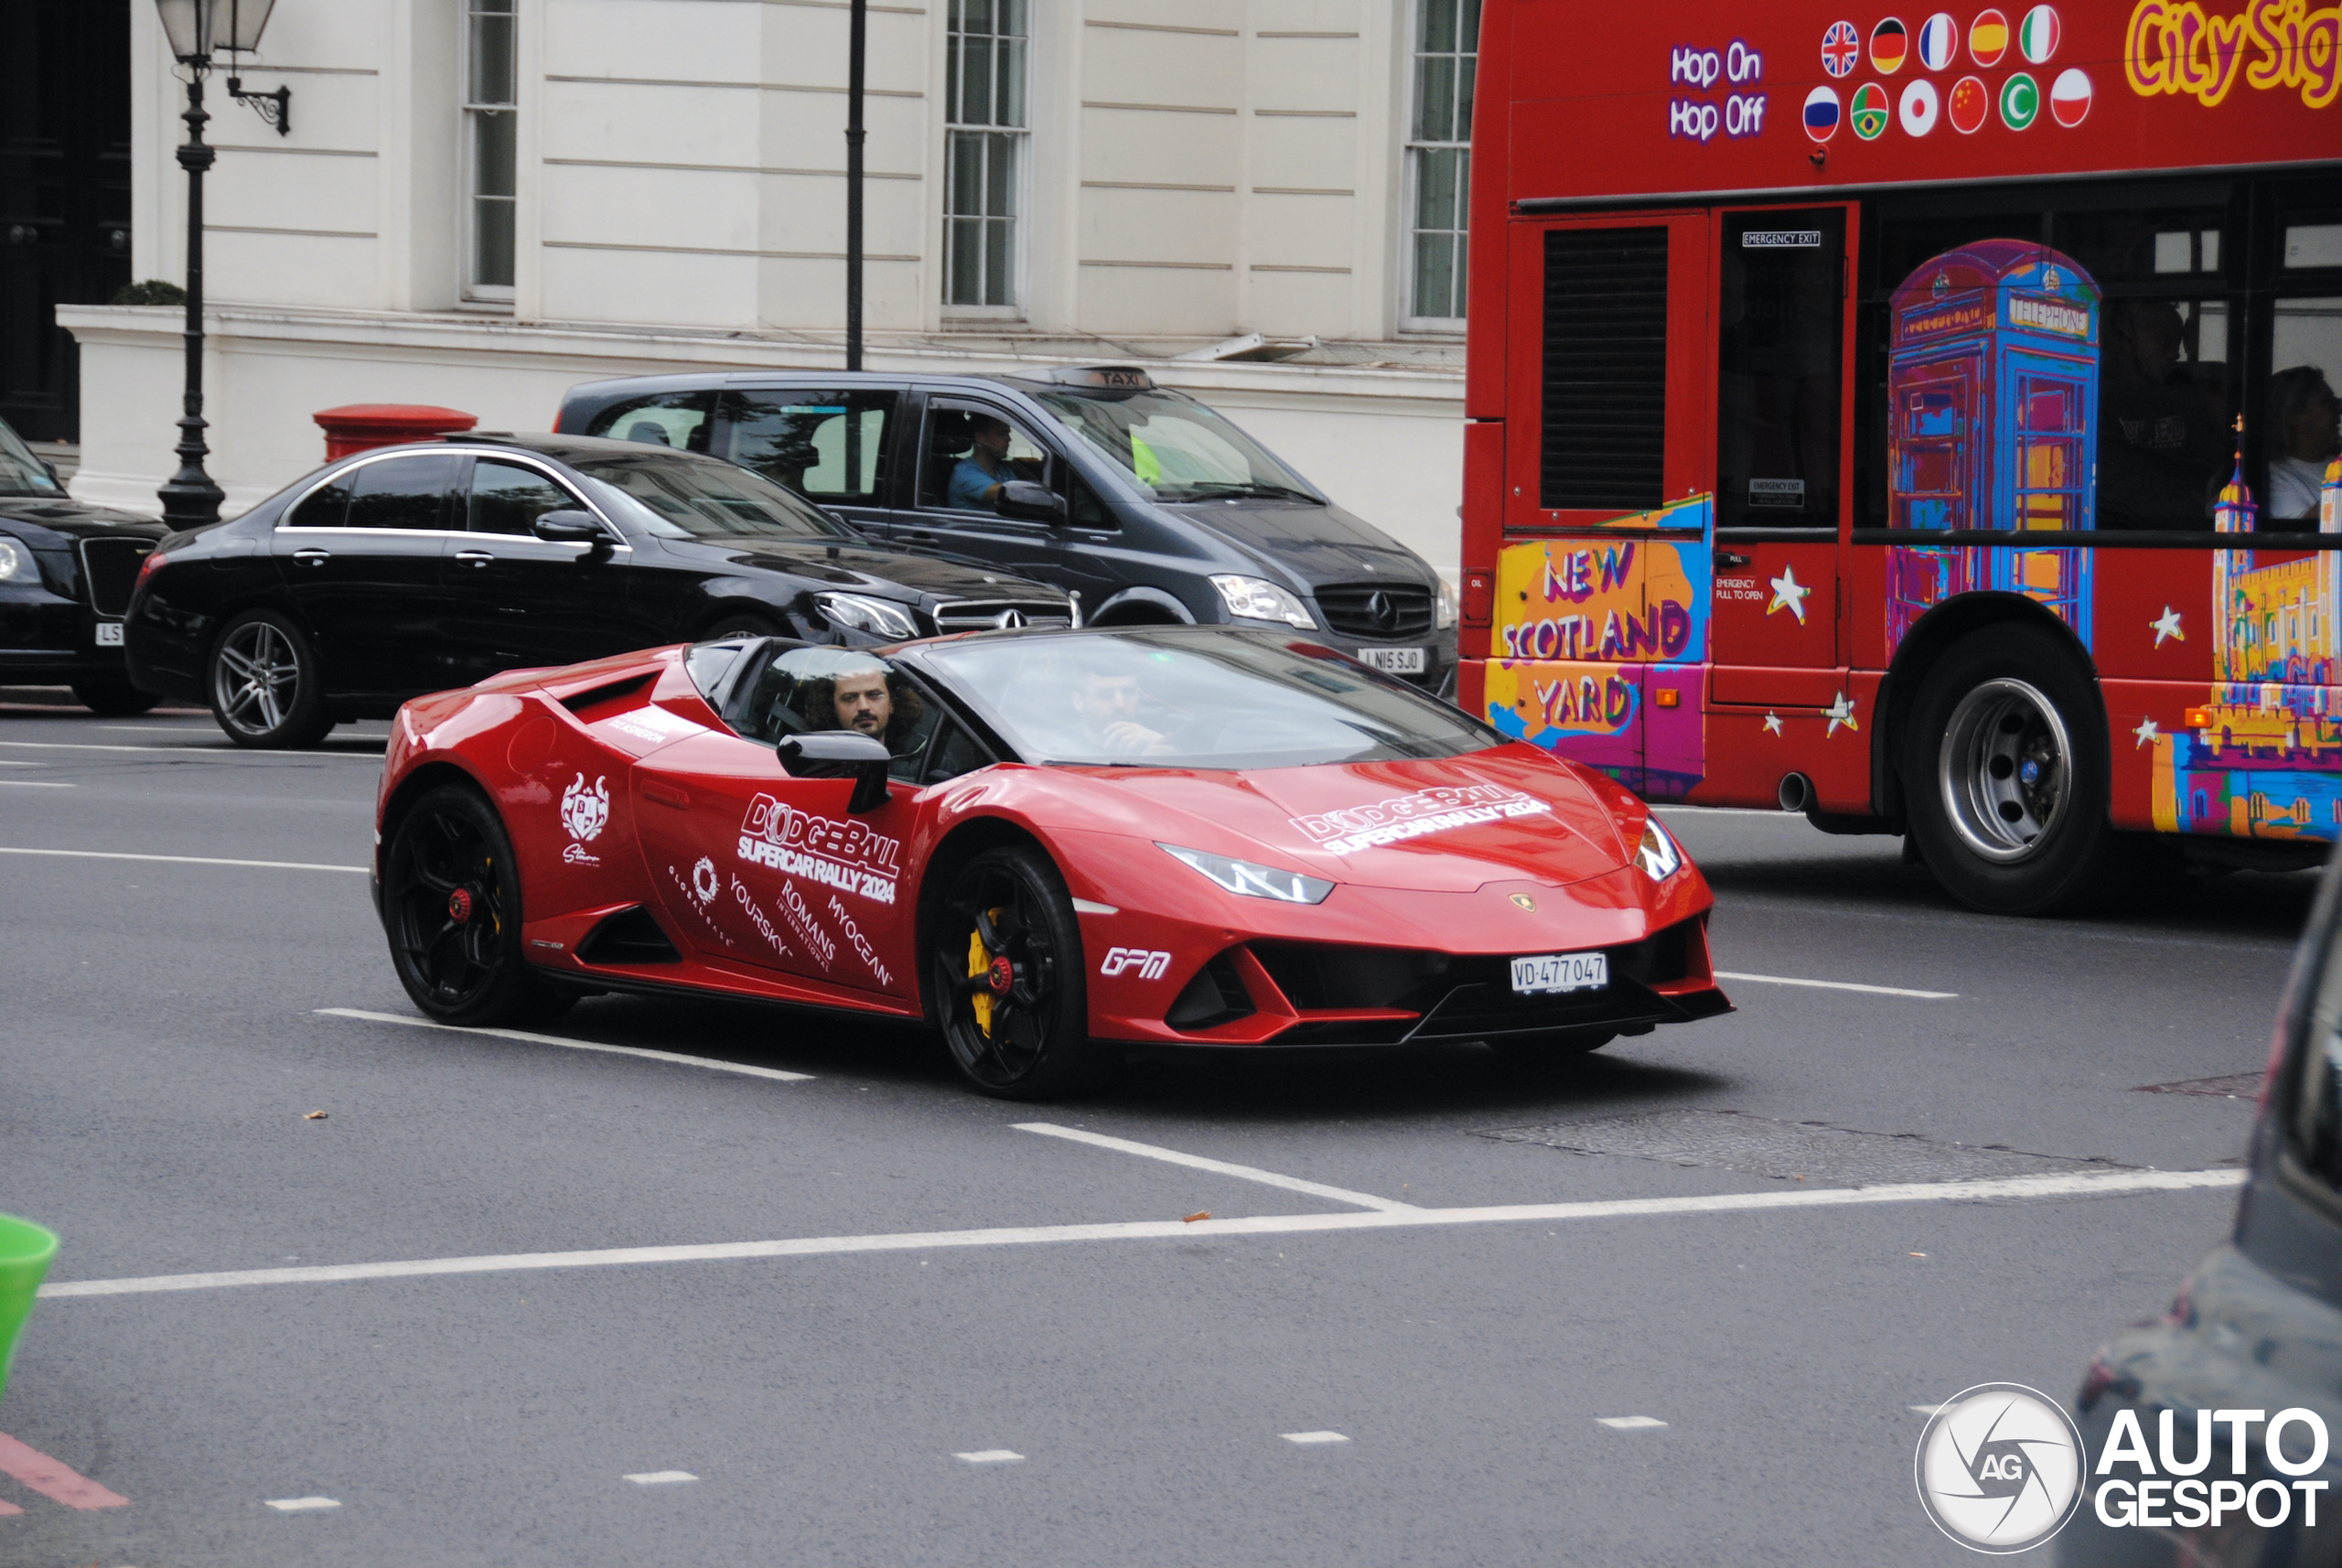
(1557, 972)
(1392, 660)
(109, 634)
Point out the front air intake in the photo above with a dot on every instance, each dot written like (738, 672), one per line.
(1215, 996)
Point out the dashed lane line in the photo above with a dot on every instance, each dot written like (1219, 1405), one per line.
(659, 1478)
(34, 784)
(991, 1456)
(1310, 1439)
(179, 859)
(1221, 1167)
(54, 1478)
(207, 753)
(1630, 1422)
(302, 1505)
(1840, 986)
(2091, 1183)
(742, 1068)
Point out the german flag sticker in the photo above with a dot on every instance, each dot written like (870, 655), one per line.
(1888, 44)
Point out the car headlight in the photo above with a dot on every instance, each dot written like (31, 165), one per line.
(858, 612)
(1251, 881)
(1446, 615)
(1250, 598)
(16, 563)
(1657, 855)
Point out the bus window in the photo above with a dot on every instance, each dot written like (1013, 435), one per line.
(1604, 370)
(2301, 429)
(1777, 367)
(2164, 445)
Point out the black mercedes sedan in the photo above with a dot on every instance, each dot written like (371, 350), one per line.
(2217, 1427)
(416, 568)
(65, 575)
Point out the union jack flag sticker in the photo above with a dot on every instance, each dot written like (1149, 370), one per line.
(1842, 48)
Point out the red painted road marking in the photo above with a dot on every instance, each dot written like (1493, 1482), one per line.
(52, 1478)
(8, 1508)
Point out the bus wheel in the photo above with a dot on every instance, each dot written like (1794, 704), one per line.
(2005, 777)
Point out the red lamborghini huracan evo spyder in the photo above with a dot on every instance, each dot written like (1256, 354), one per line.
(1055, 846)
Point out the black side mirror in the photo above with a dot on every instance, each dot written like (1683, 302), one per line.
(571, 527)
(1029, 502)
(839, 753)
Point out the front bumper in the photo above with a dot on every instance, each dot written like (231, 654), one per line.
(46, 638)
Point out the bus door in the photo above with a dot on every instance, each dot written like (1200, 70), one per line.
(1599, 629)
(1783, 323)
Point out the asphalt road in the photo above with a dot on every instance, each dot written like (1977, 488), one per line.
(164, 1042)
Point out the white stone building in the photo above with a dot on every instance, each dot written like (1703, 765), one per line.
(482, 202)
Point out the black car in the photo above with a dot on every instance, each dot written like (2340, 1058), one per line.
(65, 571)
(1147, 503)
(416, 568)
(2253, 1341)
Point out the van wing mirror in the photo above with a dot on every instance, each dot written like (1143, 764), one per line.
(839, 753)
(1029, 502)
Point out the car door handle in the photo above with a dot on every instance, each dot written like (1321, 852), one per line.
(311, 557)
(476, 557)
(920, 536)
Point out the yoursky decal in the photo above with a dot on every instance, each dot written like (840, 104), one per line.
(846, 856)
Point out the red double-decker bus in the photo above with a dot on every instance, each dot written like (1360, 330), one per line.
(1920, 420)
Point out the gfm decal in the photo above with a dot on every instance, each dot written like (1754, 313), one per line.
(1122, 961)
(847, 856)
(1412, 816)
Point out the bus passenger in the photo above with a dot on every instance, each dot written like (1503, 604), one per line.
(2161, 453)
(2305, 433)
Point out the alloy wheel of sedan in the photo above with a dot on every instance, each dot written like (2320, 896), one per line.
(265, 684)
(1008, 977)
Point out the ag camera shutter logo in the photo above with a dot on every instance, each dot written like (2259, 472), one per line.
(1999, 1468)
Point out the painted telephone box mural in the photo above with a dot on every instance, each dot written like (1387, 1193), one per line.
(1993, 424)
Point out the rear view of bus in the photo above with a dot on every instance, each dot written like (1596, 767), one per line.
(1926, 422)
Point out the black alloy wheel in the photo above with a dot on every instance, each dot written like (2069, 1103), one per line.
(741, 623)
(451, 907)
(2004, 775)
(1005, 977)
(265, 685)
(112, 697)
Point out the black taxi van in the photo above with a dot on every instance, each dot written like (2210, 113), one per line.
(1148, 504)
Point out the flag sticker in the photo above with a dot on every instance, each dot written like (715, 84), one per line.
(1919, 107)
(1842, 48)
(1888, 44)
(1870, 111)
(2038, 36)
(1988, 37)
(2069, 97)
(2020, 100)
(1939, 40)
(1821, 113)
(1966, 105)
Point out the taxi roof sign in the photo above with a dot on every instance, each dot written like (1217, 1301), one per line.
(1105, 377)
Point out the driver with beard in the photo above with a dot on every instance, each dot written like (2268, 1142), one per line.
(864, 693)
(1106, 701)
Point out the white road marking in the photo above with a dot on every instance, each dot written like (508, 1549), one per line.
(1221, 1168)
(183, 859)
(35, 784)
(212, 753)
(303, 1505)
(2091, 1183)
(659, 1478)
(992, 1456)
(9, 763)
(1841, 985)
(1309, 1437)
(775, 1074)
(1630, 1422)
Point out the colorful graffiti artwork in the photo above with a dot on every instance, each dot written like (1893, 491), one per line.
(1993, 418)
(1590, 630)
(2262, 758)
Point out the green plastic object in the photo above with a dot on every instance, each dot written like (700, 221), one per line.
(25, 1250)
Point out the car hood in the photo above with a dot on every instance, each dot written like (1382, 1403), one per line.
(1448, 826)
(1318, 544)
(859, 566)
(73, 519)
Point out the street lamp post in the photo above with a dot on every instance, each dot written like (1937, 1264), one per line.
(857, 35)
(198, 29)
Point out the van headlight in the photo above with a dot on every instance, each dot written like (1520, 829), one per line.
(859, 612)
(1248, 880)
(1657, 855)
(1446, 614)
(1251, 598)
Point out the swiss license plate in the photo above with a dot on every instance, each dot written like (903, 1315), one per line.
(109, 634)
(1392, 660)
(1556, 972)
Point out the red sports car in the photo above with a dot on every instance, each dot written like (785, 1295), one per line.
(1056, 847)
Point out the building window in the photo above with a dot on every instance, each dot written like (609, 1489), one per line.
(1439, 157)
(491, 148)
(984, 151)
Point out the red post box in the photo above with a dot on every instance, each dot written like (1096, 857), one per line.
(363, 427)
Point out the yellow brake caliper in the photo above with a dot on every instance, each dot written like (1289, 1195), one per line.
(980, 963)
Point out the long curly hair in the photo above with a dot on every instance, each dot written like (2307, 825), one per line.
(817, 705)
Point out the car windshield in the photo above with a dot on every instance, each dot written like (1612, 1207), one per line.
(1174, 446)
(20, 472)
(676, 495)
(1196, 697)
